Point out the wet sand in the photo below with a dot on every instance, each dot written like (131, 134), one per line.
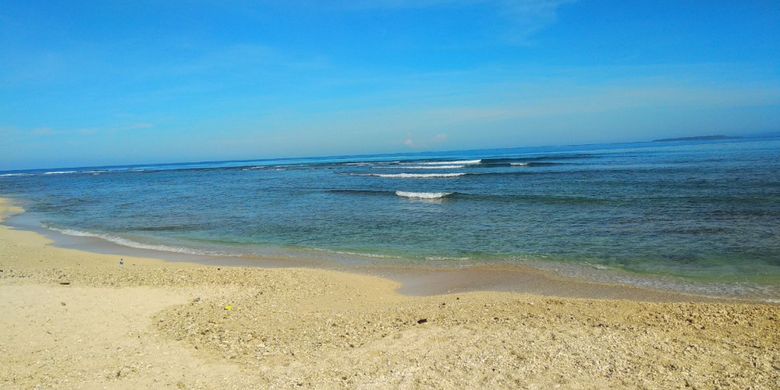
(75, 319)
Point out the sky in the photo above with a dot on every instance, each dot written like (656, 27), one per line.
(114, 82)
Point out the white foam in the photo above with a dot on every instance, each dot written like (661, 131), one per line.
(59, 172)
(446, 258)
(266, 167)
(519, 164)
(597, 266)
(373, 255)
(15, 174)
(414, 175)
(457, 162)
(423, 195)
(434, 167)
(135, 244)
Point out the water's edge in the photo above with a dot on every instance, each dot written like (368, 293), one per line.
(415, 280)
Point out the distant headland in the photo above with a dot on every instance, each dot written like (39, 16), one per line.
(697, 138)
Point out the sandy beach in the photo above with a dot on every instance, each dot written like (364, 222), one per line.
(73, 319)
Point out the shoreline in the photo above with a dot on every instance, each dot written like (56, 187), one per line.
(77, 319)
(413, 280)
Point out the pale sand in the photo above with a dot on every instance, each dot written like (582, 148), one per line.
(153, 324)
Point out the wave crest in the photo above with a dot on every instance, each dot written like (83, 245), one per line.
(432, 167)
(423, 195)
(414, 175)
(456, 162)
(59, 172)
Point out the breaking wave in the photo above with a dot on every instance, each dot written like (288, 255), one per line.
(428, 167)
(59, 172)
(457, 162)
(414, 175)
(423, 195)
(135, 244)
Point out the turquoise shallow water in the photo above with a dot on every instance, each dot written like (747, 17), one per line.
(699, 211)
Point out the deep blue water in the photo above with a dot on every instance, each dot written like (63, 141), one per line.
(704, 211)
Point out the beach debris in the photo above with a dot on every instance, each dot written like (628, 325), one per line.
(422, 320)
(196, 300)
(62, 303)
(121, 262)
(229, 307)
(65, 283)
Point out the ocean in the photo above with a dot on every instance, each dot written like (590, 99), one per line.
(694, 216)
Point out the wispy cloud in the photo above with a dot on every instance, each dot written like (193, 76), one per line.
(427, 142)
(8, 132)
(111, 130)
(43, 132)
(529, 17)
(531, 115)
(523, 17)
(599, 100)
(91, 131)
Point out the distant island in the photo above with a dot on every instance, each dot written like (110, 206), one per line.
(697, 138)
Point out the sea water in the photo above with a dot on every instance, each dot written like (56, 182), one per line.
(704, 212)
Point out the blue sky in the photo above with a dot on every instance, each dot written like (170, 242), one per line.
(96, 83)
